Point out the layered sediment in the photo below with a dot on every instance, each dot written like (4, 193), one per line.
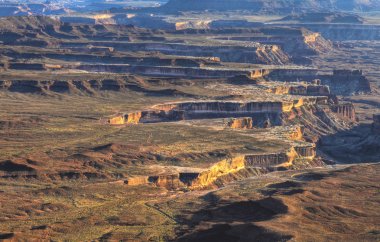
(305, 89)
(235, 168)
(245, 115)
(264, 162)
(345, 111)
(340, 82)
(241, 123)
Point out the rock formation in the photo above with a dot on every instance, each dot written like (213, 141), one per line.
(133, 118)
(276, 6)
(297, 133)
(240, 123)
(340, 82)
(136, 181)
(345, 110)
(327, 17)
(258, 161)
(117, 120)
(169, 181)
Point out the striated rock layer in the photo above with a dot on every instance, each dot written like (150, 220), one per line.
(241, 123)
(258, 161)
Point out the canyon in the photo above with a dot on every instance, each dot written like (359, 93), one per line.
(243, 120)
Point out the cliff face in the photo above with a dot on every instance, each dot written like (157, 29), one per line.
(345, 111)
(221, 168)
(237, 107)
(317, 43)
(272, 54)
(246, 115)
(117, 120)
(299, 42)
(297, 133)
(263, 162)
(344, 32)
(305, 89)
(241, 123)
(133, 118)
(340, 82)
(347, 82)
(170, 181)
(135, 181)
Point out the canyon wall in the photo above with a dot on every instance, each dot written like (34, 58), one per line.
(297, 133)
(256, 161)
(168, 181)
(345, 111)
(344, 32)
(241, 123)
(240, 107)
(340, 82)
(117, 120)
(303, 89)
(346, 82)
(163, 71)
(245, 114)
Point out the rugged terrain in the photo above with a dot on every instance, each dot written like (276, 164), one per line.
(277, 6)
(216, 131)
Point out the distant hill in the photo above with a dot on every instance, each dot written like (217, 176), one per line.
(272, 6)
(23, 9)
(324, 18)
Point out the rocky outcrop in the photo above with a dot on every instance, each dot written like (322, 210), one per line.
(233, 165)
(340, 82)
(169, 181)
(344, 32)
(272, 54)
(345, 111)
(224, 167)
(256, 53)
(297, 133)
(117, 120)
(348, 82)
(87, 87)
(161, 116)
(306, 151)
(150, 116)
(133, 118)
(328, 17)
(317, 43)
(136, 181)
(230, 106)
(245, 114)
(241, 123)
(216, 24)
(302, 89)
(233, 168)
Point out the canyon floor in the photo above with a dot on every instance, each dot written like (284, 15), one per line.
(240, 132)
